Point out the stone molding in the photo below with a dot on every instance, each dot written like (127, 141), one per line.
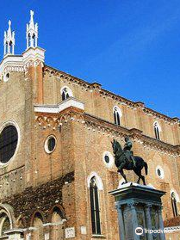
(55, 121)
(111, 129)
(104, 127)
(33, 56)
(104, 93)
(11, 63)
(20, 63)
(70, 102)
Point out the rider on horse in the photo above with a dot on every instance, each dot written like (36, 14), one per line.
(124, 160)
(128, 152)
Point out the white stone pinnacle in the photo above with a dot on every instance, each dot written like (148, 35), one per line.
(9, 40)
(32, 32)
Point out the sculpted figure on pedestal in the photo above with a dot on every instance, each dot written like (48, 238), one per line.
(124, 159)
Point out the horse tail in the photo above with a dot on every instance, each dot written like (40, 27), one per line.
(146, 168)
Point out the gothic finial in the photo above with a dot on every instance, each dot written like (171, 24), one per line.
(32, 32)
(9, 40)
(32, 19)
(9, 22)
(31, 13)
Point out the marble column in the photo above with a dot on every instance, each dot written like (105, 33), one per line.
(121, 222)
(161, 224)
(148, 221)
(134, 219)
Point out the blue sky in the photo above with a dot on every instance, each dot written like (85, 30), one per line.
(131, 47)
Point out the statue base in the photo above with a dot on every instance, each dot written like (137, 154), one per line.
(139, 210)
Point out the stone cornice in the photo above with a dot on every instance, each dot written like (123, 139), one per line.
(69, 78)
(70, 102)
(106, 93)
(160, 115)
(56, 120)
(33, 56)
(11, 63)
(20, 63)
(110, 128)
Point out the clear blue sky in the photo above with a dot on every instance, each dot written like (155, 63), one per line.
(132, 47)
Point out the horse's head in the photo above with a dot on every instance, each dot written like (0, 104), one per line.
(116, 146)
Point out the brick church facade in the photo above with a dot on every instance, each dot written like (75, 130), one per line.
(56, 158)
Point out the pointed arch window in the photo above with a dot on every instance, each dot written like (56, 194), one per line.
(117, 116)
(174, 204)
(38, 224)
(95, 210)
(57, 224)
(29, 40)
(66, 93)
(4, 223)
(157, 130)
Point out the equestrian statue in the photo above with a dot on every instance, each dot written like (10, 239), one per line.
(124, 159)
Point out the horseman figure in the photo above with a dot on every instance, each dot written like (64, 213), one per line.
(128, 152)
(124, 159)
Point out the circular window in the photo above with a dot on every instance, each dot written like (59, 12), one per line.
(50, 144)
(108, 159)
(8, 143)
(160, 172)
(6, 77)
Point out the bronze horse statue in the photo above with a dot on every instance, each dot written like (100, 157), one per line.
(122, 162)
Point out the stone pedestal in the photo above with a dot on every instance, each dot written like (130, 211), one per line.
(139, 212)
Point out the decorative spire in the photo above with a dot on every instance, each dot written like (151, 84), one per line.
(32, 32)
(9, 41)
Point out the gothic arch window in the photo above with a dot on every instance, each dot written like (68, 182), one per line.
(33, 39)
(117, 115)
(157, 130)
(4, 223)
(95, 208)
(174, 204)
(57, 223)
(10, 46)
(21, 222)
(38, 224)
(66, 93)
